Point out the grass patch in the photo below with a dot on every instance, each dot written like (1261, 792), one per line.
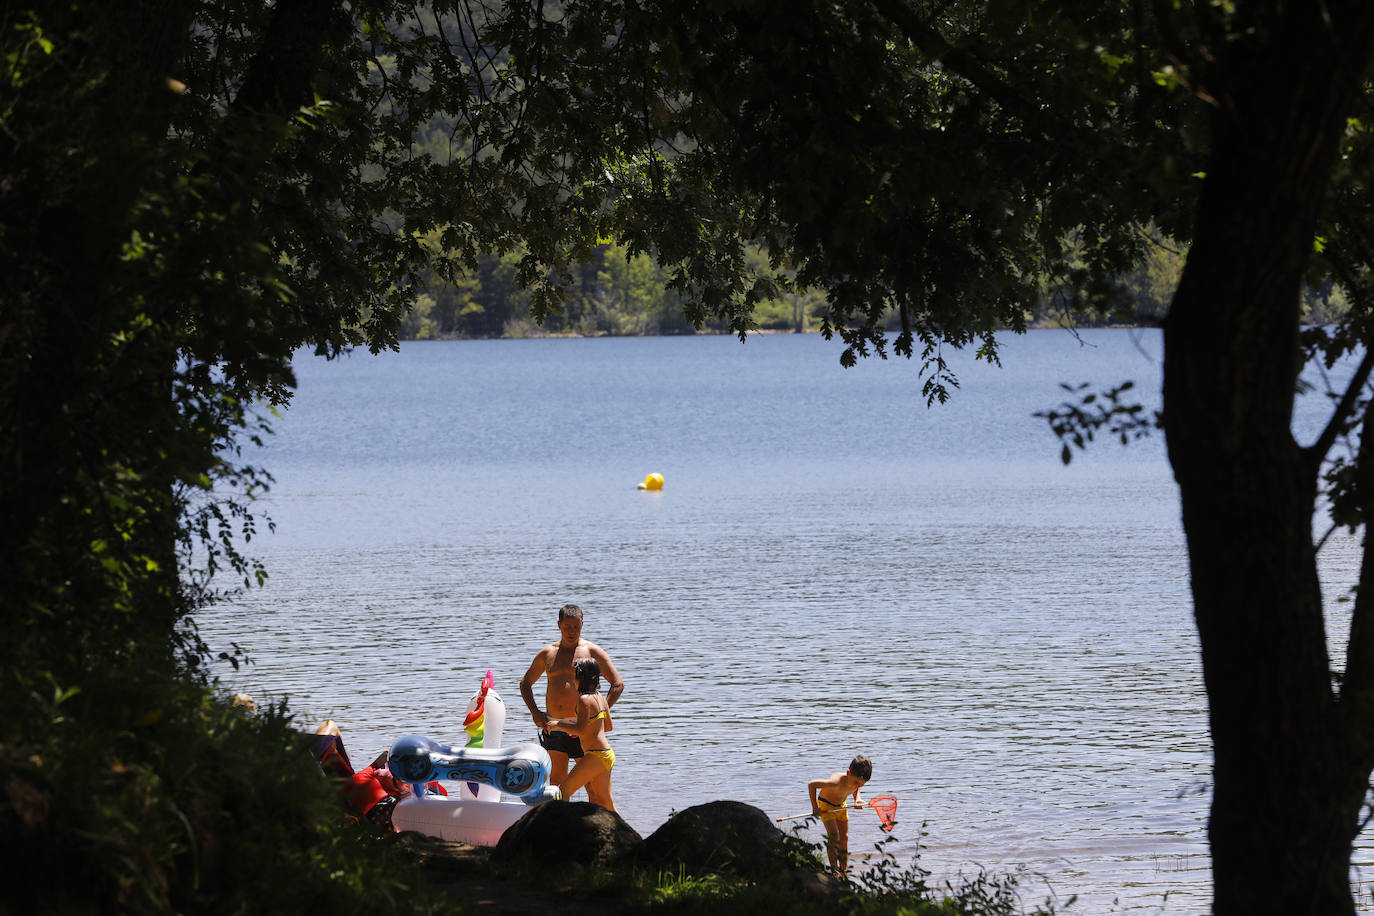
(886, 888)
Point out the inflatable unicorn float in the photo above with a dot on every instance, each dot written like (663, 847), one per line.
(497, 785)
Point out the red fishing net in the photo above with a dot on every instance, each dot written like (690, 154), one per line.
(886, 806)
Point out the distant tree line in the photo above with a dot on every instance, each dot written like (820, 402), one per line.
(614, 294)
(617, 294)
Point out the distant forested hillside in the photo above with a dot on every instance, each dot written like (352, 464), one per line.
(619, 295)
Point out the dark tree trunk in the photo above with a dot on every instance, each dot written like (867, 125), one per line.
(1287, 787)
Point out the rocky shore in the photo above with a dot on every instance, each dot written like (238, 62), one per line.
(559, 856)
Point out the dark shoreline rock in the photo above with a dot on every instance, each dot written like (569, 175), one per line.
(726, 837)
(535, 868)
(559, 835)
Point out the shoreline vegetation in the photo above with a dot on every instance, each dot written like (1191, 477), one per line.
(470, 878)
(539, 333)
(614, 294)
(196, 807)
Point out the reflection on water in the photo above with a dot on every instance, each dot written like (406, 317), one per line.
(831, 569)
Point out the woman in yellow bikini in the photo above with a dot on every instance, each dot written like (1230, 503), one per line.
(593, 720)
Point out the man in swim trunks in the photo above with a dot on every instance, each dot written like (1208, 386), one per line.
(828, 798)
(555, 662)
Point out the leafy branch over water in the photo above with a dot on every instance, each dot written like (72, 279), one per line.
(1075, 423)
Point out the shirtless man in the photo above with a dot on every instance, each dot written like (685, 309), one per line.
(555, 662)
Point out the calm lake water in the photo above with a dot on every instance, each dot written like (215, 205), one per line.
(830, 569)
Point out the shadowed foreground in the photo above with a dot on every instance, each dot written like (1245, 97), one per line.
(464, 874)
(578, 859)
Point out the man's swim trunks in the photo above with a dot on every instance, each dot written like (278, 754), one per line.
(560, 741)
(604, 754)
(832, 812)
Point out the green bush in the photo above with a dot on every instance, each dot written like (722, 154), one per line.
(189, 806)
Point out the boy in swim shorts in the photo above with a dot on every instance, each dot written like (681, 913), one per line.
(828, 802)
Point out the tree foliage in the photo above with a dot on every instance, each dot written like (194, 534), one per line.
(189, 192)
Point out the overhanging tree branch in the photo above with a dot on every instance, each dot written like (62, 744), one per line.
(1357, 686)
(1036, 117)
(1315, 453)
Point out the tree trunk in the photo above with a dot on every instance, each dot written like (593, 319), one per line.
(1287, 788)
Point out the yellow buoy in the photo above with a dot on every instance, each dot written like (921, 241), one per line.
(652, 482)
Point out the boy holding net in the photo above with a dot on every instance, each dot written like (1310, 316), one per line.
(828, 802)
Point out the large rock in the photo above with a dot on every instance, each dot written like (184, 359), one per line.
(726, 837)
(560, 834)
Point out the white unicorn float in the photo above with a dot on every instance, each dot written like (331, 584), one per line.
(496, 785)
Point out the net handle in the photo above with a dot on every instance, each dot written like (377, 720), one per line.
(793, 817)
(887, 814)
